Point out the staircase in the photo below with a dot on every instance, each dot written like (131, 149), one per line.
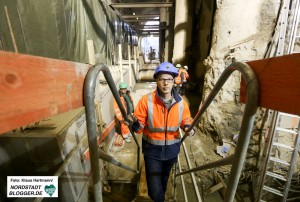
(283, 144)
(283, 139)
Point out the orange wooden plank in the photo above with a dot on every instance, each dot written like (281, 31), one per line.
(33, 88)
(86, 153)
(107, 130)
(279, 83)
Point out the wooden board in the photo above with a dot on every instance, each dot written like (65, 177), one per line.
(219, 179)
(143, 190)
(279, 83)
(33, 88)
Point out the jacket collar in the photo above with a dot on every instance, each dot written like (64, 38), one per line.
(176, 96)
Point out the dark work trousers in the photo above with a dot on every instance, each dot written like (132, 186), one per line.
(177, 88)
(183, 88)
(157, 174)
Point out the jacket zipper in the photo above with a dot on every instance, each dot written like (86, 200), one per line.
(166, 126)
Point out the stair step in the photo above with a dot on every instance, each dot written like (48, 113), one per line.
(275, 175)
(286, 130)
(142, 199)
(289, 115)
(283, 145)
(272, 190)
(148, 199)
(279, 161)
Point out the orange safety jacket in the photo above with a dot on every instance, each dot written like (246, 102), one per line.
(185, 75)
(178, 79)
(160, 126)
(116, 107)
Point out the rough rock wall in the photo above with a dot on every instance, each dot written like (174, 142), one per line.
(241, 33)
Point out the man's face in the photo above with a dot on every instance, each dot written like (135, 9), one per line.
(165, 83)
(123, 90)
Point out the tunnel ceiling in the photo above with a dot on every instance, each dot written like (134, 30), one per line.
(137, 13)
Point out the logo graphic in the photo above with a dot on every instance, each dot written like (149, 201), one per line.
(50, 189)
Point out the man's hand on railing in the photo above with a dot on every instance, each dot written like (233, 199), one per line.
(134, 122)
(126, 122)
(191, 133)
(131, 118)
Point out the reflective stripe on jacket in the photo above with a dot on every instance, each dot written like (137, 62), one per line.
(160, 126)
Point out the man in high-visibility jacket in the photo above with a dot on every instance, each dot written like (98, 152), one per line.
(127, 103)
(158, 116)
(185, 76)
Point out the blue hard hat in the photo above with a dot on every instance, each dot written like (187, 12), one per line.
(166, 68)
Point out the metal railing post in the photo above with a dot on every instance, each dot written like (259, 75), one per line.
(88, 100)
(247, 122)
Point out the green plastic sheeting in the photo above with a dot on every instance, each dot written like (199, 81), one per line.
(60, 29)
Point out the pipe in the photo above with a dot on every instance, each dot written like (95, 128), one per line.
(104, 156)
(174, 180)
(138, 148)
(223, 78)
(88, 100)
(182, 182)
(116, 95)
(246, 127)
(192, 174)
(247, 121)
(226, 161)
(114, 90)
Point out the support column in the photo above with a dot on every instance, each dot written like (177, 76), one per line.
(91, 52)
(182, 32)
(162, 33)
(167, 35)
(135, 63)
(120, 61)
(129, 63)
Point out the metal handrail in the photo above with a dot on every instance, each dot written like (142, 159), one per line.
(251, 104)
(193, 177)
(182, 182)
(88, 99)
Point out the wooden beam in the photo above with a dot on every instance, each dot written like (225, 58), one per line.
(143, 189)
(140, 16)
(141, 5)
(149, 30)
(215, 188)
(142, 19)
(145, 26)
(279, 83)
(33, 88)
(219, 179)
(86, 153)
(147, 35)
